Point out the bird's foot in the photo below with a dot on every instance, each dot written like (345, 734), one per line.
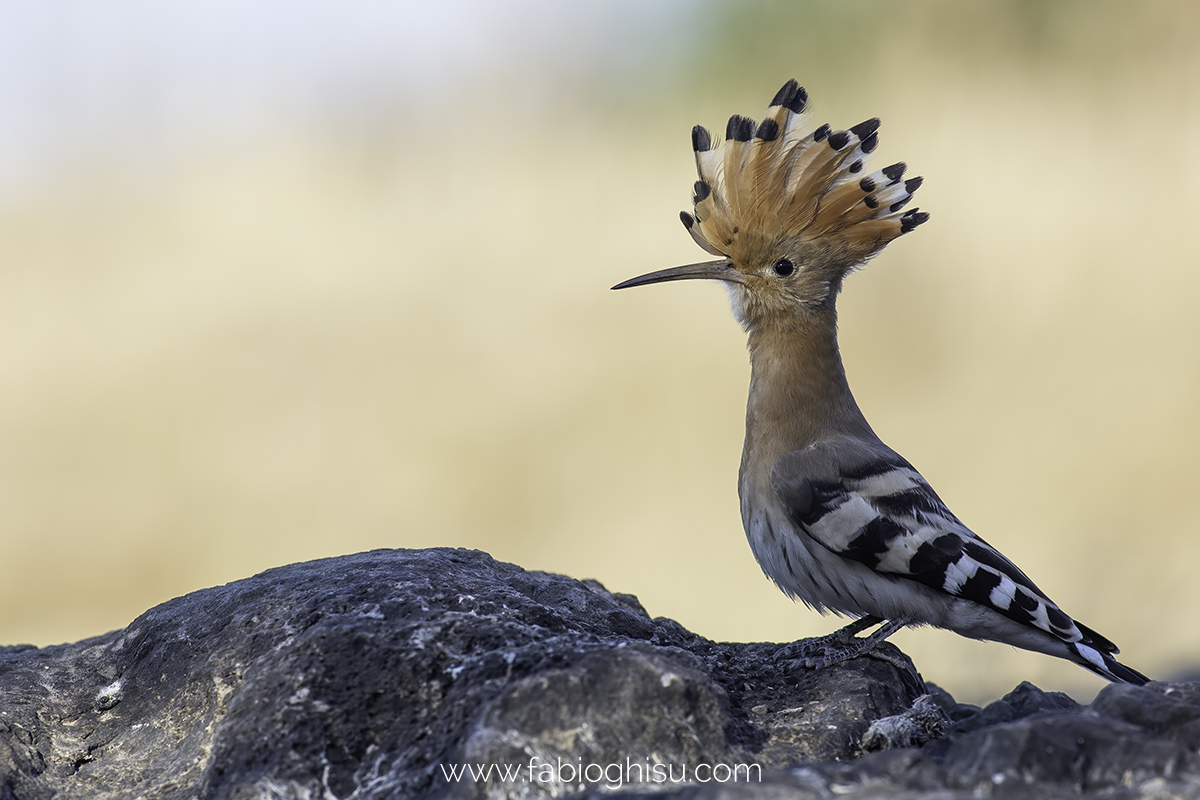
(841, 645)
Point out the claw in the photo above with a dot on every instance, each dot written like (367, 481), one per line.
(841, 645)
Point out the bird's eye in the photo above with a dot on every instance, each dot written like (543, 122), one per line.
(783, 267)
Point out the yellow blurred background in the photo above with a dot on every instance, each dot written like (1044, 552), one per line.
(281, 281)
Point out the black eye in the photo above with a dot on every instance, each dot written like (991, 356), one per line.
(783, 267)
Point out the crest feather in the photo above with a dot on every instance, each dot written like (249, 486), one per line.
(779, 179)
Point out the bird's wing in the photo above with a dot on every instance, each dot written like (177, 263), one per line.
(864, 502)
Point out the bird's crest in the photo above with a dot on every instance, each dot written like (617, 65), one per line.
(778, 181)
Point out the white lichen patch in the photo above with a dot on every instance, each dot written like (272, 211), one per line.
(109, 696)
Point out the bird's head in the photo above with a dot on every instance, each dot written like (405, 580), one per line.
(789, 211)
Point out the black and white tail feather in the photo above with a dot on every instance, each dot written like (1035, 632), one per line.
(867, 504)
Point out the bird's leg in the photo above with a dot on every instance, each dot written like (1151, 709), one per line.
(813, 652)
(842, 637)
(841, 645)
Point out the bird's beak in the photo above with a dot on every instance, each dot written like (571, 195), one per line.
(713, 270)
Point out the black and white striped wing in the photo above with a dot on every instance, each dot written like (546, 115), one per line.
(864, 502)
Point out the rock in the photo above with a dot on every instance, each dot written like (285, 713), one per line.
(443, 673)
(369, 674)
(1072, 752)
(1024, 701)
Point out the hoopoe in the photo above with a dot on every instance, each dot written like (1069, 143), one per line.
(834, 516)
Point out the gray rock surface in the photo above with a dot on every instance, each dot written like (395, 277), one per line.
(379, 675)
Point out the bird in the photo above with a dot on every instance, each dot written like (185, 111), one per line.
(835, 517)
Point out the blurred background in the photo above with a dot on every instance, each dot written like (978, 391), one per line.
(286, 280)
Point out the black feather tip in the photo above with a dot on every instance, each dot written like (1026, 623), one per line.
(839, 139)
(869, 144)
(792, 95)
(912, 219)
(687, 219)
(820, 133)
(895, 172)
(702, 190)
(768, 130)
(701, 140)
(867, 184)
(912, 184)
(739, 129)
(865, 128)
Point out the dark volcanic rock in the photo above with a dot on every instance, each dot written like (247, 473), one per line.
(368, 674)
(380, 675)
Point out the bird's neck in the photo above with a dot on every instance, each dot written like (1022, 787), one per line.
(798, 389)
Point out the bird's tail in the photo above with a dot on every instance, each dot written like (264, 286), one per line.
(1096, 653)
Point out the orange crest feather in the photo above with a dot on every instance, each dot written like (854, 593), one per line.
(775, 181)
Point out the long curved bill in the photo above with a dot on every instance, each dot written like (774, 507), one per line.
(713, 270)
